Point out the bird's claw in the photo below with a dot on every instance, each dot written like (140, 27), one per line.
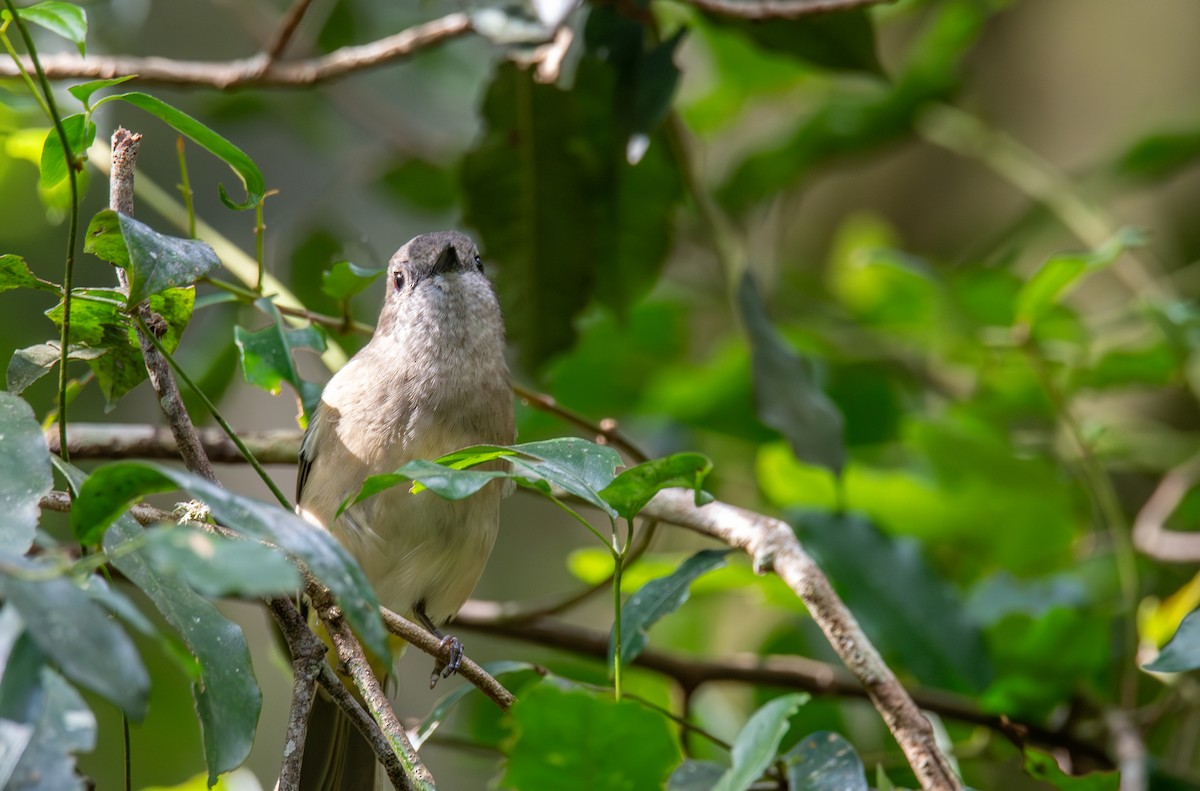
(447, 664)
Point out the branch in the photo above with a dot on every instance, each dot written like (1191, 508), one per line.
(257, 71)
(1150, 536)
(287, 27)
(776, 9)
(773, 546)
(144, 441)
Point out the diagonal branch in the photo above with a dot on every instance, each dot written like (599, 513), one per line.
(260, 70)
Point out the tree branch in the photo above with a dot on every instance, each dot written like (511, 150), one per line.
(773, 546)
(257, 71)
(1150, 535)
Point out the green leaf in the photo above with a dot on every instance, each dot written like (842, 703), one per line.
(227, 152)
(155, 262)
(217, 566)
(695, 776)
(108, 492)
(99, 321)
(81, 133)
(64, 19)
(838, 40)
(1044, 767)
(1055, 278)
(267, 357)
(1182, 652)
(33, 362)
(345, 279)
(659, 598)
(15, 273)
(1159, 155)
(226, 693)
(927, 631)
(786, 393)
(84, 90)
(824, 761)
(633, 488)
(442, 708)
(563, 738)
(66, 619)
(756, 744)
(25, 475)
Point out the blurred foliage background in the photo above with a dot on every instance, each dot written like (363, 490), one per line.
(973, 218)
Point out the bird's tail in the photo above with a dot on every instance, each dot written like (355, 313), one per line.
(336, 756)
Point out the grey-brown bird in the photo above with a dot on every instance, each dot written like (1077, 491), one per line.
(433, 379)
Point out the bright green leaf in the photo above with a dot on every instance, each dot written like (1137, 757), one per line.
(573, 738)
(786, 393)
(1182, 652)
(108, 492)
(1044, 767)
(25, 475)
(1051, 282)
(81, 133)
(66, 619)
(345, 279)
(227, 152)
(64, 19)
(838, 40)
(824, 761)
(756, 744)
(216, 566)
(659, 598)
(84, 90)
(633, 488)
(33, 362)
(15, 273)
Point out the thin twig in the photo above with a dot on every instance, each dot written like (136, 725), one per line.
(283, 34)
(251, 72)
(1150, 535)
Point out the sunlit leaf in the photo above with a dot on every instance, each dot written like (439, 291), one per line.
(84, 90)
(561, 736)
(786, 393)
(81, 133)
(633, 488)
(824, 761)
(155, 262)
(64, 19)
(218, 146)
(657, 599)
(1044, 767)
(25, 475)
(756, 744)
(345, 279)
(15, 273)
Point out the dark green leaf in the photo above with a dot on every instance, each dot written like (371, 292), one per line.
(64, 19)
(217, 566)
(243, 166)
(345, 279)
(422, 185)
(33, 362)
(65, 619)
(267, 358)
(1160, 155)
(446, 482)
(84, 90)
(1182, 653)
(839, 40)
(15, 273)
(118, 604)
(592, 738)
(80, 135)
(25, 475)
(695, 776)
(824, 761)
(442, 708)
(659, 598)
(756, 744)
(633, 488)
(786, 393)
(1044, 767)
(99, 321)
(576, 465)
(927, 631)
(110, 489)
(1001, 595)
(1060, 273)
(156, 262)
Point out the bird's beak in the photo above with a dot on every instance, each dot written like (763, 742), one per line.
(447, 261)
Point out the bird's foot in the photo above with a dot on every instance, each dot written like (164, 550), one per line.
(447, 664)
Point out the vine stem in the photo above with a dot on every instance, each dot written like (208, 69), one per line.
(51, 108)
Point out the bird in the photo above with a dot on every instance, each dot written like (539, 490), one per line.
(432, 379)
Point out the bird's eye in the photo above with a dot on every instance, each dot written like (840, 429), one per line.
(479, 263)
(399, 281)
